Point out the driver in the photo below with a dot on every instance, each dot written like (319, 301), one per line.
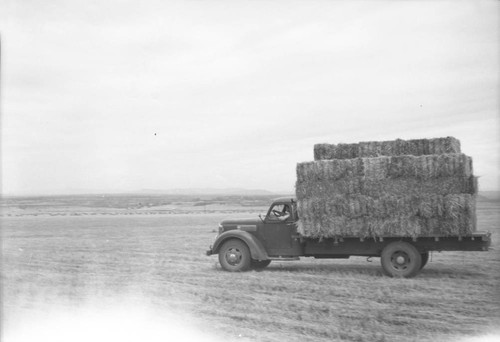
(282, 214)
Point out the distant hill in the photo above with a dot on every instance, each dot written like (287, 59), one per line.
(211, 191)
(489, 195)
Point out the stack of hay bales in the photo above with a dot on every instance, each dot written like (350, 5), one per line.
(401, 188)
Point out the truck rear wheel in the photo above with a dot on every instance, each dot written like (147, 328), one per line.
(260, 264)
(401, 259)
(234, 256)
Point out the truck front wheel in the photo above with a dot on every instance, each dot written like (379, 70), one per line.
(234, 256)
(401, 259)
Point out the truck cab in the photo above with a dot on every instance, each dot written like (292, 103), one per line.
(254, 242)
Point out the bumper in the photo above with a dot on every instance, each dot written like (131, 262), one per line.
(209, 251)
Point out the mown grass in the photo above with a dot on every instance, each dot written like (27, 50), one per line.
(159, 261)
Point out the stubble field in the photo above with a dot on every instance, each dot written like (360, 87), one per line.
(110, 278)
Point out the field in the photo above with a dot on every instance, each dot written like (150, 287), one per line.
(73, 271)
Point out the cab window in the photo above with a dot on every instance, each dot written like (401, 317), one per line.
(279, 212)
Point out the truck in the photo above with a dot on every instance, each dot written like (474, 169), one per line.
(245, 244)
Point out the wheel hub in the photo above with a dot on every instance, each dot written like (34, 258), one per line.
(233, 257)
(400, 260)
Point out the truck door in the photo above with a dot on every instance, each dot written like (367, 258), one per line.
(277, 232)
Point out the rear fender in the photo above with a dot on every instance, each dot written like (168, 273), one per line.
(257, 250)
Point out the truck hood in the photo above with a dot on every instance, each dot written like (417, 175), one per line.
(239, 222)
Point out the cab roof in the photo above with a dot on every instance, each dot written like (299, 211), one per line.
(285, 199)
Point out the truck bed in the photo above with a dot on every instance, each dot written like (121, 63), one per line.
(346, 246)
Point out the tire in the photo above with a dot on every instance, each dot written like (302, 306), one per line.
(260, 264)
(234, 256)
(425, 258)
(401, 259)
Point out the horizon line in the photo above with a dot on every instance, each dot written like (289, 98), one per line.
(166, 192)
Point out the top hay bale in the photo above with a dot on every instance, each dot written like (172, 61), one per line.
(397, 147)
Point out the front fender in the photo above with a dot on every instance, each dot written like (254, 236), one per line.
(257, 250)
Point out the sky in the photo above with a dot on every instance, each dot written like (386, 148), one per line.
(120, 96)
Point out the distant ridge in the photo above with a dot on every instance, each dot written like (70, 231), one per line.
(489, 195)
(212, 191)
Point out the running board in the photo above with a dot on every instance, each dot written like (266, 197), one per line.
(284, 258)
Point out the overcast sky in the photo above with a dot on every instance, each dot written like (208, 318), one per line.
(117, 96)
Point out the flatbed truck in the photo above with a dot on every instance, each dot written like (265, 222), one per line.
(244, 244)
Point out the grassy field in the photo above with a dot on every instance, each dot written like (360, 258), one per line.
(132, 277)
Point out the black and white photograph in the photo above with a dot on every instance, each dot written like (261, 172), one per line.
(250, 170)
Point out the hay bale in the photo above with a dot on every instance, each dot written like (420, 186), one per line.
(437, 186)
(322, 188)
(420, 167)
(329, 169)
(377, 188)
(397, 216)
(428, 174)
(318, 220)
(356, 206)
(428, 166)
(397, 147)
(398, 226)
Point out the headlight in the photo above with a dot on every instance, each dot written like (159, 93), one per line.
(221, 228)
